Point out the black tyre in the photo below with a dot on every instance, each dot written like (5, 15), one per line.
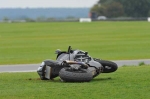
(109, 66)
(55, 68)
(70, 75)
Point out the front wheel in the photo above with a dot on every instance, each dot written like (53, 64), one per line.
(70, 75)
(109, 66)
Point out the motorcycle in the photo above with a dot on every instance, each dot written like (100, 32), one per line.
(74, 66)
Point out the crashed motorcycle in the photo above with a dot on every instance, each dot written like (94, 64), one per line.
(74, 66)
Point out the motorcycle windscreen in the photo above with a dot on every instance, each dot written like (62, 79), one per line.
(64, 57)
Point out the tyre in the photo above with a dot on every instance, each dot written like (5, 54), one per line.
(109, 66)
(54, 72)
(69, 75)
(55, 68)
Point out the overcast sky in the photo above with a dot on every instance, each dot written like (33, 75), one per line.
(46, 3)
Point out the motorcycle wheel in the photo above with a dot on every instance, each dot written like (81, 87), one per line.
(70, 75)
(55, 68)
(109, 66)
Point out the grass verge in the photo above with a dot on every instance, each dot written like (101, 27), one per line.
(25, 43)
(126, 83)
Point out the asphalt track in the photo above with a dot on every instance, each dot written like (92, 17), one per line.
(33, 67)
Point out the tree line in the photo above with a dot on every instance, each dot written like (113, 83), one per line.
(122, 8)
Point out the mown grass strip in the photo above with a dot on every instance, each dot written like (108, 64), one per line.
(126, 83)
(25, 43)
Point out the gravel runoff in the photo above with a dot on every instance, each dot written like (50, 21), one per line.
(33, 67)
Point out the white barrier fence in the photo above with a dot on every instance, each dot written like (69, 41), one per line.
(148, 19)
(85, 20)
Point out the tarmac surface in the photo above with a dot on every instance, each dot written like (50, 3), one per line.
(34, 67)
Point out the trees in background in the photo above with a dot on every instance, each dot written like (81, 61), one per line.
(122, 8)
(5, 19)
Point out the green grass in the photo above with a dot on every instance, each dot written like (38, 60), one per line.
(126, 83)
(34, 42)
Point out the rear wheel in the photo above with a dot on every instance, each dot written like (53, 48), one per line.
(109, 66)
(70, 75)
